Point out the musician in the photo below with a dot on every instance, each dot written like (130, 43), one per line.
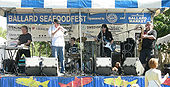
(71, 44)
(56, 33)
(148, 43)
(117, 68)
(24, 39)
(105, 36)
(74, 47)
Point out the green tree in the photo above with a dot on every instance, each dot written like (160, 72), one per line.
(162, 23)
(40, 49)
(3, 33)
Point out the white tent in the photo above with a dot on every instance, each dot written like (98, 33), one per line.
(163, 39)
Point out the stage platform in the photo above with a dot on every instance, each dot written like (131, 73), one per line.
(77, 81)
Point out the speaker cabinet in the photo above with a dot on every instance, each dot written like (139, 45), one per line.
(132, 66)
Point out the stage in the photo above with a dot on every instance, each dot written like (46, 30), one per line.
(77, 81)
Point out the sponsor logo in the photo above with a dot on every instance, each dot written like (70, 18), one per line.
(112, 18)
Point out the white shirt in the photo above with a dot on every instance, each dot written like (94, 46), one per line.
(153, 78)
(58, 37)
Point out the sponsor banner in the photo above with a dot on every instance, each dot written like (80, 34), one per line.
(86, 18)
(40, 32)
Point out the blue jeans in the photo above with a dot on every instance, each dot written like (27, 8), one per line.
(59, 52)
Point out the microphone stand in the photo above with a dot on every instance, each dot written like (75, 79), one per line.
(102, 42)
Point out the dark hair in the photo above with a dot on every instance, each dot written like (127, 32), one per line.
(105, 26)
(73, 38)
(57, 21)
(25, 27)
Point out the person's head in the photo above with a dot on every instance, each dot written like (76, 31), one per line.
(153, 63)
(72, 40)
(56, 22)
(117, 64)
(149, 25)
(24, 29)
(104, 27)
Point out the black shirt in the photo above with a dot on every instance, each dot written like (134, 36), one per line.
(68, 46)
(107, 36)
(23, 38)
(149, 43)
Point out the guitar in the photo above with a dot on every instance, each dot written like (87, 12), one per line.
(107, 43)
(112, 46)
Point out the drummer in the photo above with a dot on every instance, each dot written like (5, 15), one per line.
(71, 44)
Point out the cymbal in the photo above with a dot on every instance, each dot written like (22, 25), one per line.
(83, 39)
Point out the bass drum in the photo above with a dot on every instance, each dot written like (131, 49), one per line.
(9, 65)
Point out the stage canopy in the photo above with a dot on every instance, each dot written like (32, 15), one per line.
(85, 3)
(86, 6)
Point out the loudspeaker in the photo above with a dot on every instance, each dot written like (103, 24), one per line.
(132, 66)
(41, 66)
(32, 66)
(49, 66)
(127, 48)
(103, 65)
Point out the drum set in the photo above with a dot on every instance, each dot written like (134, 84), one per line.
(73, 60)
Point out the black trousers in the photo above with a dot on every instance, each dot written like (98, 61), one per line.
(145, 56)
(19, 54)
(105, 53)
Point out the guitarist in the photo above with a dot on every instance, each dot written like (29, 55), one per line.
(105, 36)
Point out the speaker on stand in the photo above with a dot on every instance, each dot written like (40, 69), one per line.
(127, 48)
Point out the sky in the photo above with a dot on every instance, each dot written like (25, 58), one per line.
(3, 22)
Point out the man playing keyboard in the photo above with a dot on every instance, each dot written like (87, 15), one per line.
(24, 40)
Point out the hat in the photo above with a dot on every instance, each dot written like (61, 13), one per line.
(57, 21)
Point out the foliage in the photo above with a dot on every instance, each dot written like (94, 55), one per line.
(162, 23)
(40, 49)
(3, 33)
(163, 55)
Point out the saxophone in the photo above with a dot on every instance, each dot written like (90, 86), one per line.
(140, 40)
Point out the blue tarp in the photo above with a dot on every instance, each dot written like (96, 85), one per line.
(84, 81)
(85, 3)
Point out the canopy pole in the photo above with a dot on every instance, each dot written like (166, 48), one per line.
(80, 40)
